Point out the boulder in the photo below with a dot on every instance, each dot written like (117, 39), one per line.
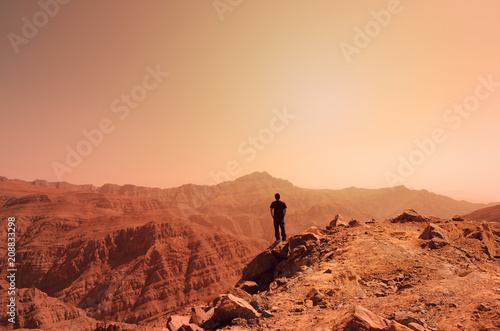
(280, 250)
(458, 218)
(363, 319)
(489, 242)
(200, 316)
(405, 318)
(485, 235)
(250, 287)
(338, 221)
(263, 263)
(315, 296)
(433, 231)
(175, 322)
(354, 223)
(230, 307)
(190, 327)
(313, 230)
(309, 240)
(409, 215)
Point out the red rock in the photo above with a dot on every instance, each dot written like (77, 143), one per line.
(175, 322)
(433, 231)
(363, 319)
(409, 215)
(230, 307)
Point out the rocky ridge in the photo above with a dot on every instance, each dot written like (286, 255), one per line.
(408, 273)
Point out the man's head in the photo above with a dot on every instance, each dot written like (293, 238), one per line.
(277, 196)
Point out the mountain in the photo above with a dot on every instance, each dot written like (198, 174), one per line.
(242, 205)
(488, 214)
(132, 254)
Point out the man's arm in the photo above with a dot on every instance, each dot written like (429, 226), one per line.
(284, 213)
(272, 215)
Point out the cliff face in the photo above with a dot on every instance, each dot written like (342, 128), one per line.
(94, 257)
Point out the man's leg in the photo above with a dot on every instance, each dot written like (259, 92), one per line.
(277, 229)
(283, 234)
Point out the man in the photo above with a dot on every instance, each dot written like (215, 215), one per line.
(278, 212)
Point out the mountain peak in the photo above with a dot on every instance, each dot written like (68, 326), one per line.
(262, 178)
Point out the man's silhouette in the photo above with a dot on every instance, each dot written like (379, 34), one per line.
(278, 212)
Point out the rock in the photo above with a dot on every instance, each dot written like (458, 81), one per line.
(433, 231)
(308, 303)
(280, 250)
(259, 303)
(363, 319)
(437, 243)
(315, 296)
(230, 307)
(458, 218)
(338, 221)
(238, 292)
(489, 242)
(354, 223)
(313, 230)
(250, 287)
(415, 327)
(175, 322)
(395, 326)
(263, 263)
(405, 318)
(409, 215)
(200, 316)
(267, 314)
(190, 327)
(298, 251)
(309, 240)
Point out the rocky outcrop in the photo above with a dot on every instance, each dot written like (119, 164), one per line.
(409, 215)
(378, 277)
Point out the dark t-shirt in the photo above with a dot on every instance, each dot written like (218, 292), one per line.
(278, 207)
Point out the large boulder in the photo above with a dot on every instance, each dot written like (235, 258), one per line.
(409, 215)
(175, 322)
(309, 240)
(363, 319)
(199, 316)
(262, 264)
(230, 307)
(485, 235)
(337, 221)
(433, 231)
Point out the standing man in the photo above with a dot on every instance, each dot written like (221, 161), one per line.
(278, 212)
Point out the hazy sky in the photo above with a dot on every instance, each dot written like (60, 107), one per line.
(326, 94)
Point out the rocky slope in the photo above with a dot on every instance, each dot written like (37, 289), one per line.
(88, 257)
(408, 273)
(489, 214)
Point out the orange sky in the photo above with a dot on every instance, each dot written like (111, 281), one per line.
(327, 94)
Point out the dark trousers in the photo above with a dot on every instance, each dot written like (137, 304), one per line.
(278, 223)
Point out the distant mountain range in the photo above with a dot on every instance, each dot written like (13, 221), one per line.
(242, 205)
